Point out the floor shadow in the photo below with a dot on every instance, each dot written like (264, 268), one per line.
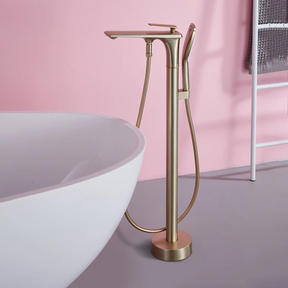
(222, 177)
(229, 176)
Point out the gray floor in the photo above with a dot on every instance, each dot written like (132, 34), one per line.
(239, 232)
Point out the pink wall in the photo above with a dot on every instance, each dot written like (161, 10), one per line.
(55, 56)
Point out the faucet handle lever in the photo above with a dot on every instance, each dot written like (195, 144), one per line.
(172, 27)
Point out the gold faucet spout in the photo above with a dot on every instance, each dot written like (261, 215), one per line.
(143, 34)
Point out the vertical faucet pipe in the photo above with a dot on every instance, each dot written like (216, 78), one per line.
(172, 155)
(172, 52)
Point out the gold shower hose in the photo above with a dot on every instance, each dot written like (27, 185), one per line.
(192, 131)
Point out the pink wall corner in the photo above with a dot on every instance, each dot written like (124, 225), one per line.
(55, 56)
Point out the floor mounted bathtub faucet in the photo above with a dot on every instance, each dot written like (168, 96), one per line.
(169, 243)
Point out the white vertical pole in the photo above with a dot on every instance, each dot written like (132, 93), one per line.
(254, 90)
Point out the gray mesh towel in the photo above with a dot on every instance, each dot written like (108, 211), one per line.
(272, 42)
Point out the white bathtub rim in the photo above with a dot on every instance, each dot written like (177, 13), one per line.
(135, 154)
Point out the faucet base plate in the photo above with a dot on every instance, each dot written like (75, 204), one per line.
(176, 251)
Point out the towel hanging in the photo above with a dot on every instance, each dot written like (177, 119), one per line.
(272, 42)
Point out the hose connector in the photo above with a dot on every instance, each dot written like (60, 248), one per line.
(148, 47)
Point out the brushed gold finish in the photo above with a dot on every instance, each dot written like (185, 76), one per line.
(175, 251)
(172, 244)
(138, 123)
(197, 180)
(163, 25)
(172, 151)
(143, 34)
(172, 27)
(183, 94)
(146, 81)
(140, 228)
(189, 40)
(196, 160)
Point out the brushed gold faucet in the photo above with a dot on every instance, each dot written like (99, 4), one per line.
(169, 243)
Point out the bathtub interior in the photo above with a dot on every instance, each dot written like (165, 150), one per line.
(39, 150)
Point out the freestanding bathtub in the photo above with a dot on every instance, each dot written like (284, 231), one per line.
(66, 180)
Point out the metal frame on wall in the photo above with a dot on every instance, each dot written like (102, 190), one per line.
(256, 87)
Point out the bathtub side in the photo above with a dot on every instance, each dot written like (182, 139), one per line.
(49, 239)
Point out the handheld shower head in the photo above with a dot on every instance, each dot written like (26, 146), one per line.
(186, 54)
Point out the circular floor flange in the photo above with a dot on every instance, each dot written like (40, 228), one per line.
(175, 251)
